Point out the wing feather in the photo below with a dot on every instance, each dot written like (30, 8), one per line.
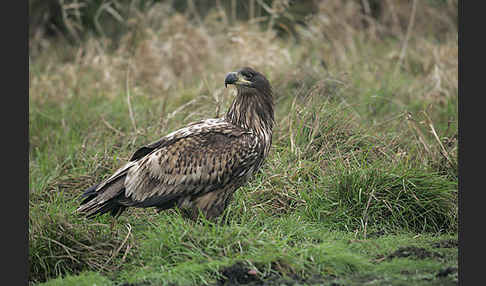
(192, 161)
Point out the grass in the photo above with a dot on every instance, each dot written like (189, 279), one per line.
(360, 185)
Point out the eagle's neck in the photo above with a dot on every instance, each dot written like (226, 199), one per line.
(253, 109)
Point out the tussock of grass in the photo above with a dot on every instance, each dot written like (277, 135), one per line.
(396, 198)
(363, 161)
(61, 243)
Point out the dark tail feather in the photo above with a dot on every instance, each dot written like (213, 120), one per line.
(89, 194)
(112, 207)
(106, 199)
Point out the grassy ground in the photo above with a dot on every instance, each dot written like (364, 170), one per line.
(360, 185)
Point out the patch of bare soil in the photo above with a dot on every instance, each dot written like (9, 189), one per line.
(448, 243)
(413, 252)
(240, 274)
(449, 271)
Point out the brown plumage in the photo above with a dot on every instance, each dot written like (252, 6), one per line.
(198, 167)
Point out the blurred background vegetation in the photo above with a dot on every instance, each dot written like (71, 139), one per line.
(74, 20)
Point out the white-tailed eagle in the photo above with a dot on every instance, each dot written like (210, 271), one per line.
(198, 167)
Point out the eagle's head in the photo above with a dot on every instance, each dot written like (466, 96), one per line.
(247, 78)
(252, 107)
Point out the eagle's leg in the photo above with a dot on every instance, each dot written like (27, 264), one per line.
(112, 225)
(212, 204)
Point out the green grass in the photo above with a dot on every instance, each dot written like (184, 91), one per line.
(84, 279)
(327, 186)
(315, 208)
(355, 174)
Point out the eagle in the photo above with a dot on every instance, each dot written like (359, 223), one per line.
(199, 167)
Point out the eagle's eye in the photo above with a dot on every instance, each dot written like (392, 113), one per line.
(248, 75)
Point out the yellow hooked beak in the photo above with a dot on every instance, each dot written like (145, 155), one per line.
(236, 79)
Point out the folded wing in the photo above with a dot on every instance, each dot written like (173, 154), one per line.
(184, 165)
